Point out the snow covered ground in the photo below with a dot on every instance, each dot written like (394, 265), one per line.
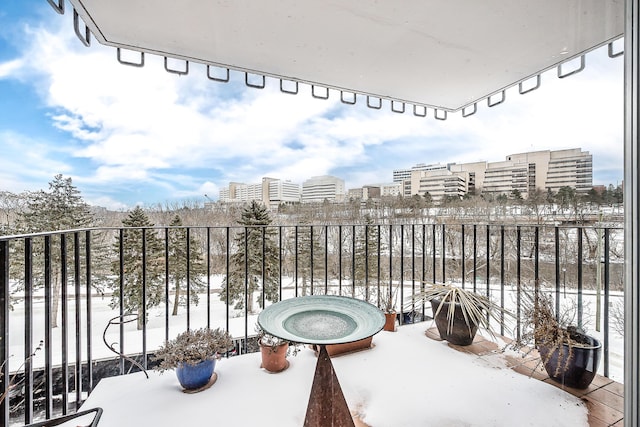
(238, 326)
(406, 379)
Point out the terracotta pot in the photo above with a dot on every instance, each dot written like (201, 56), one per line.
(460, 333)
(390, 322)
(274, 359)
(577, 371)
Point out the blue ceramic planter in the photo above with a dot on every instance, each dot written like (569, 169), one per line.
(577, 371)
(192, 377)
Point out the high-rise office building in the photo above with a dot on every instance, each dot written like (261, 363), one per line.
(321, 188)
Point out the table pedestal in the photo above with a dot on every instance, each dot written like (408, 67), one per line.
(327, 406)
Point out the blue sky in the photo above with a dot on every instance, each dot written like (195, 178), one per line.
(132, 136)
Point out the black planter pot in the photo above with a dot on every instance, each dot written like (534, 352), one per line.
(459, 333)
(581, 367)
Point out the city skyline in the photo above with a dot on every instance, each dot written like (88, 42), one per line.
(400, 175)
(141, 136)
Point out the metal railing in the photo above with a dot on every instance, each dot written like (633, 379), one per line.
(60, 287)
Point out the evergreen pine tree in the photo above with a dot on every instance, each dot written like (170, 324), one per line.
(307, 246)
(134, 275)
(178, 265)
(255, 218)
(61, 208)
(366, 266)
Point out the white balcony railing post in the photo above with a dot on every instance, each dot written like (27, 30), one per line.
(632, 214)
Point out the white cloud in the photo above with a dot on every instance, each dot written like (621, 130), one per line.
(27, 162)
(9, 67)
(146, 125)
(106, 202)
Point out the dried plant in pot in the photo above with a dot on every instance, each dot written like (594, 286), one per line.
(459, 312)
(193, 355)
(387, 303)
(568, 354)
(274, 351)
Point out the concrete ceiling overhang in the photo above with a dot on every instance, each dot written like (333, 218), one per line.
(446, 55)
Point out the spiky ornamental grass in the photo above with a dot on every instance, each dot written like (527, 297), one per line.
(192, 347)
(14, 382)
(475, 307)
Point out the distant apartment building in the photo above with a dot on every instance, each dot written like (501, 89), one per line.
(284, 191)
(524, 172)
(321, 188)
(271, 192)
(375, 191)
(233, 192)
(356, 193)
(439, 184)
(507, 177)
(393, 189)
(401, 175)
(543, 170)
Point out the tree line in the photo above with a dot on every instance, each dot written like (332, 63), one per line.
(177, 258)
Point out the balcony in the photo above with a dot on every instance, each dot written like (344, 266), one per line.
(581, 267)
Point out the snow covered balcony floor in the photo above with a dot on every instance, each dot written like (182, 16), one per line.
(604, 398)
(407, 378)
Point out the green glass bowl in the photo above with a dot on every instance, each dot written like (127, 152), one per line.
(322, 319)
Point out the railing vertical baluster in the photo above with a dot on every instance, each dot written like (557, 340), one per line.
(488, 256)
(444, 253)
(188, 274)
(339, 260)
(48, 349)
(89, 318)
(391, 261)
(536, 266)
(413, 268)
(536, 262)
(378, 262)
(326, 259)
(263, 272)
(295, 253)
(4, 330)
(518, 278)
(280, 263)
(28, 330)
(353, 261)
(424, 265)
(208, 277)
(78, 318)
(311, 256)
(502, 279)
(433, 251)
(121, 299)
(579, 230)
(366, 262)
(462, 255)
(166, 283)
(246, 288)
(402, 274)
(64, 331)
(144, 299)
(557, 257)
(606, 302)
(227, 256)
(475, 258)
